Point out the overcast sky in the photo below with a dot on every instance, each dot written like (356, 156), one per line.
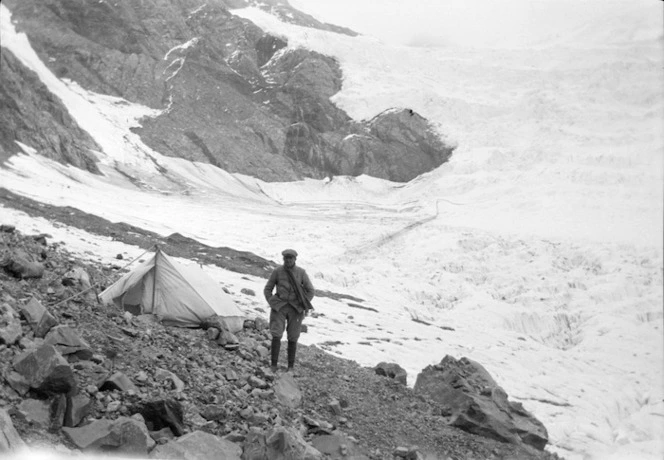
(473, 23)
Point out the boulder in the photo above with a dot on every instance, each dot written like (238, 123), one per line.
(163, 413)
(337, 447)
(288, 443)
(39, 318)
(317, 426)
(125, 435)
(80, 280)
(197, 445)
(68, 342)
(161, 375)
(287, 391)
(36, 412)
(279, 443)
(78, 277)
(162, 436)
(10, 325)
(335, 407)
(254, 445)
(45, 370)
(118, 381)
(393, 371)
(19, 264)
(475, 403)
(58, 411)
(45, 414)
(18, 383)
(10, 441)
(78, 407)
(408, 453)
(226, 338)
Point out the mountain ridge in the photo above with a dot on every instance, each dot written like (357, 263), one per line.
(227, 93)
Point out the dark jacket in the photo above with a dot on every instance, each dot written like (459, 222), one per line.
(286, 294)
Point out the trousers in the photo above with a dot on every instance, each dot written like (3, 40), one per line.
(289, 319)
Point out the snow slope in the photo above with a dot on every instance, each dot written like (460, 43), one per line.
(537, 250)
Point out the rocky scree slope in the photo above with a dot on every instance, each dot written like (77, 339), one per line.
(229, 94)
(222, 389)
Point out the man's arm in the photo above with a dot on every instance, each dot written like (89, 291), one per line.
(309, 290)
(269, 286)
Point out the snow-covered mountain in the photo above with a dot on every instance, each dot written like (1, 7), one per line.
(223, 92)
(536, 250)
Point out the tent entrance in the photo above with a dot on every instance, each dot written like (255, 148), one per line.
(137, 300)
(131, 300)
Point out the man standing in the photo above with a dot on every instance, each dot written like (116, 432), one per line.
(288, 305)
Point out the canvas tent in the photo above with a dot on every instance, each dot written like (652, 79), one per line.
(181, 295)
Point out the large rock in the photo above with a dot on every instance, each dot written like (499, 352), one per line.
(10, 325)
(78, 407)
(39, 318)
(161, 375)
(277, 444)
(67, 341)
(163, 413)
(45, 370)
(80, 280)
(18, 383)
(475, 403)
(127, 436)
(393, 371)
(10, 441)
(197, 445)
(338, 447)
(118, 381)
(287, 391)
(19, 263)
(36, 412)
(48, 414)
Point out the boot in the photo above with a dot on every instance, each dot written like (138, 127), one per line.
(274, 349)
(292, 348)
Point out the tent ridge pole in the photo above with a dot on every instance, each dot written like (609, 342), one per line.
(154, 280)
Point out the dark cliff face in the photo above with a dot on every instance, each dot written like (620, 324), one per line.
(230, 94)
(31, 115)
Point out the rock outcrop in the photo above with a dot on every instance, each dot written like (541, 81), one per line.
(35, 117)
(228, 93)
(473, 401)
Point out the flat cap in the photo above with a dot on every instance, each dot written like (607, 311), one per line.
(289, 252)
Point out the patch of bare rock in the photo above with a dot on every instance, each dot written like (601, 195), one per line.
(80, 377)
